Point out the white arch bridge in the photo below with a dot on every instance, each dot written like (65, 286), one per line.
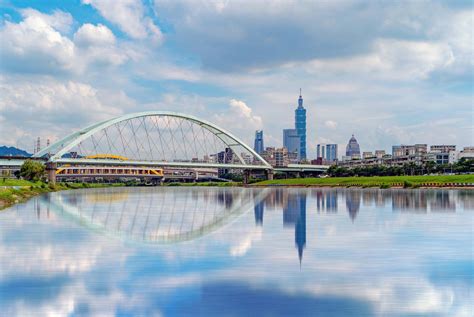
(157, 139)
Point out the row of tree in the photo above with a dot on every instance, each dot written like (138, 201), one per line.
(464, 165)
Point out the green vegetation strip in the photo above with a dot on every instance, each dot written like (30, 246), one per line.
(213, 184)
(375, 181)
(14, 191)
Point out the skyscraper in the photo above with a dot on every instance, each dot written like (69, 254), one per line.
(331, 152)
(300, 126)
(258, 146)
(291, 140)
(321, 151)
(352, 148)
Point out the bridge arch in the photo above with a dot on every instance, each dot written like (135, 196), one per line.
(146, 131)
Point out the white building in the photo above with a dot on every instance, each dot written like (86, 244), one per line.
(467, 152)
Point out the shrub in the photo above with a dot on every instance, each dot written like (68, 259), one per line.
(32, 170)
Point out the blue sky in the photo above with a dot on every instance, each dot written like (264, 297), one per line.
(389, 72)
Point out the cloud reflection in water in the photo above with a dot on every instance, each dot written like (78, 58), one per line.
(370, 252)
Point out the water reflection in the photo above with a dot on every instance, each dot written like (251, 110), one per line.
(168, 215)
(294, 215)
(238, 251)
(174, 215)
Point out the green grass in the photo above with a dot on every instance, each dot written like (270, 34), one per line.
(375, 181)
(17, 182)
(11, 195)
(213, 184)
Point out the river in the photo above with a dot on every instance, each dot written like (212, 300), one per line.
(209, 251)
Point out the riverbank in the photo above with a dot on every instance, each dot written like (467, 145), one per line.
(14, 191)
(376, 181)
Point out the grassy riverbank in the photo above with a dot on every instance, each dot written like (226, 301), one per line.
(212, 184)
(375, 181)
(14, 191)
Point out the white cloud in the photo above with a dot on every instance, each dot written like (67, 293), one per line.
(242, 111)
(330, 124)
(391, 60)
(59, 20)
(129, 16)
(52, 107)
(34, 45)
(89, 34)
(245, 244)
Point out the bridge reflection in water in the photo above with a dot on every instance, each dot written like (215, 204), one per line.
(175, 214)
(146, 214)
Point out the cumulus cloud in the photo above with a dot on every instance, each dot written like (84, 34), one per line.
(129, 16)
(96, 46)
(89, 34)
(35, 45)
(223, 36)
(239, 119)
(241, 110)
(52, 107)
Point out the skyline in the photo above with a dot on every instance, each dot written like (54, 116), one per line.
(405, 80)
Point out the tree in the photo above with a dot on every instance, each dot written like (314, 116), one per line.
(32, 170)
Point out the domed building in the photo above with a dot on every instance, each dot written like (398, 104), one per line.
(352, 148)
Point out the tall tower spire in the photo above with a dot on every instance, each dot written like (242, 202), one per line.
(300, 101)
(300, 126)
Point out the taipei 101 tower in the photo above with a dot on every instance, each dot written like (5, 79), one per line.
(300, 126)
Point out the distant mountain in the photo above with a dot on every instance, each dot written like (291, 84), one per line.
(12, 151)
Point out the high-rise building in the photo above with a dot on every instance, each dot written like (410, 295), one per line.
(321, 151)
(352, 148)
(328, 152)
(331, 152)
(300, 126)
(291, 140)
(258, 146)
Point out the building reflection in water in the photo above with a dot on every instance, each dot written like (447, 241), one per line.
(443, 202)
(326, 200)
(294, 215)
(171, 215)
(353, 198)
(258, 211)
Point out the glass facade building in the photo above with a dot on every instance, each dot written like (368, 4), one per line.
(291, 140)
(258, 145)
(327, 152)
(331, 152)
(300, 126)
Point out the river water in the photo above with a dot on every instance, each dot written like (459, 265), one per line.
(207, 251)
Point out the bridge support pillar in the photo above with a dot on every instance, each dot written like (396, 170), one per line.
(51, 170)
(246, 176)
(269, 175)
